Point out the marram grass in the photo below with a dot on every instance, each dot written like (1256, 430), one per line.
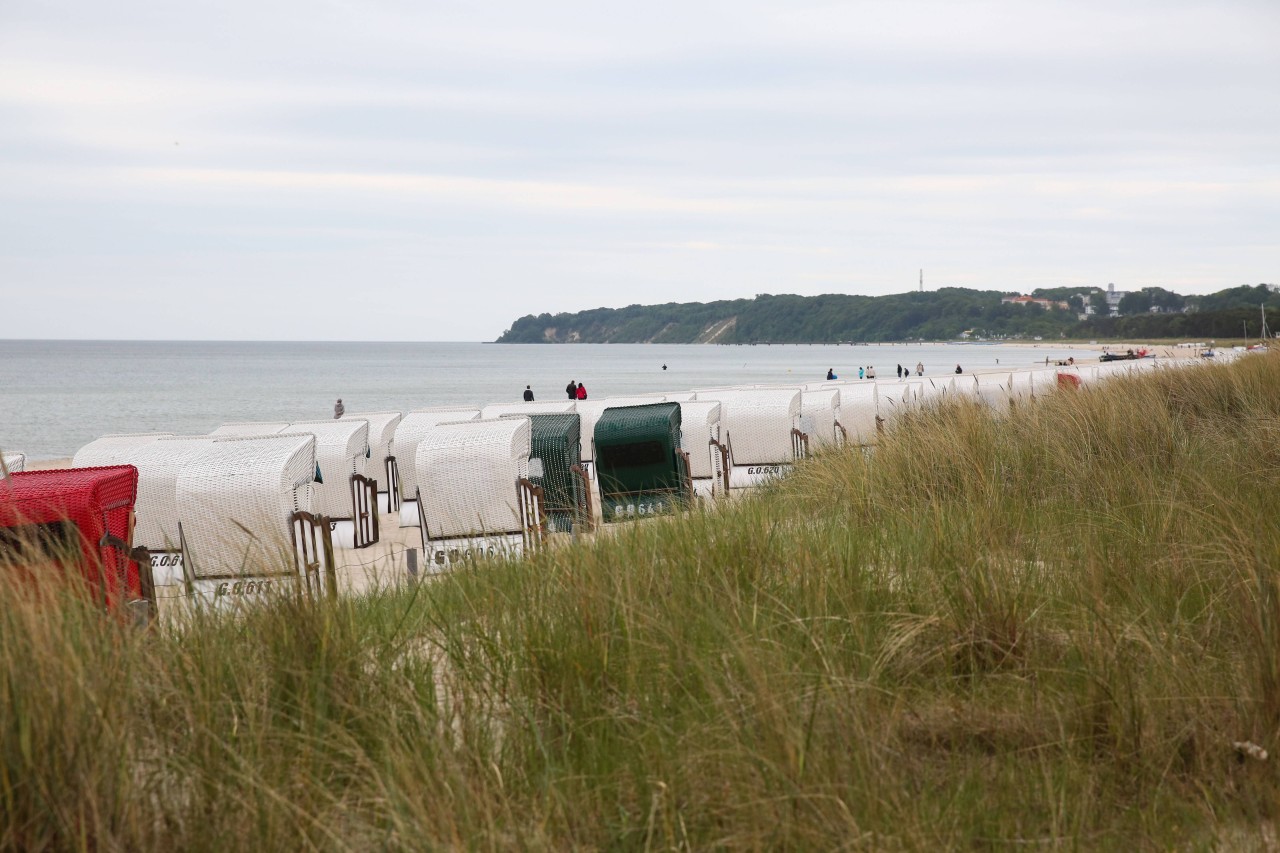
(1052, 627)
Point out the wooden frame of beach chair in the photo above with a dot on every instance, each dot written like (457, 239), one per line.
(474, 496)
(700, 440)
(404, 447)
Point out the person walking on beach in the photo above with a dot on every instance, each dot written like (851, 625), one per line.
(528, 394)
(581, 393)
(871, 371)
(572, 389)
(338, 409)
(919, 368)
(861, 372)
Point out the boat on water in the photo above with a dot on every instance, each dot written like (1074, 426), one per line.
(1127, 355)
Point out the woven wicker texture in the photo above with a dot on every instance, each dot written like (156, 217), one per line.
(497, 410)
(819, 411)
(97, 501)
(993, 389)
(382, 431)
(468, 473)
(857, 410)
(342, 449)
(158, 464)
(249, 428)
(409, 433)
(15, 462)
(556, 440)
(236, 499)
(893, 400)
(699, 424)
(113, 449)
(757, 423)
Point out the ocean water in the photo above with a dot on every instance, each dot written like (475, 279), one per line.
(56, 396)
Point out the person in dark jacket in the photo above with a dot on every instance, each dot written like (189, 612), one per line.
(528, 394)
(572, 389)
(338, 409)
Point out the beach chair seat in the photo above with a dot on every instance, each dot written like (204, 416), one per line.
(474, 494)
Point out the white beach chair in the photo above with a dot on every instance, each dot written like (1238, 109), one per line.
(14, 462)
(474, 494)
(858, 413)
(820, 418)
(761, 427)
(700, 439)
(343, 493)
(247, 525)
(994, 389)
(382, 464)
(404, 447)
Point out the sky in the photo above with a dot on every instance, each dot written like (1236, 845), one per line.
(431, 171)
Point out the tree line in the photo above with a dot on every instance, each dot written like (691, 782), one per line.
(943, 314)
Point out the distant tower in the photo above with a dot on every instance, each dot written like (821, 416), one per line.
(922, 281)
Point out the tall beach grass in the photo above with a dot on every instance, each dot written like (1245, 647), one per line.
(1055, 626)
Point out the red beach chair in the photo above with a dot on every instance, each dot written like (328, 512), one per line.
(80, 520)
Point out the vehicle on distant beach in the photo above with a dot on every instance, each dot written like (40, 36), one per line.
(1127, 355)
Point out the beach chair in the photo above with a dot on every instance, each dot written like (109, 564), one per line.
(13, 462)
(113, 449)
(249, 428)
(343, 494)
(700, 440)
(993, 389)
(858, 412)
(404, 447)
(640, 465)
(77, 522)
(248, 528)
(382, 463)
(474, 496)
(820, 418)
(761, 428)
(555, 466)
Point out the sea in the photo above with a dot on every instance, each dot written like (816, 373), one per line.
(56, 396)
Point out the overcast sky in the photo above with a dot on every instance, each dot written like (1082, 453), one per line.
(347, 170)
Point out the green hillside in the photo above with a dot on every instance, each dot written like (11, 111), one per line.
(934, 315)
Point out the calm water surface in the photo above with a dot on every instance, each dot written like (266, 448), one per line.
(56, 396)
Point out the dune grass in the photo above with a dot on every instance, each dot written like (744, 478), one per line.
(1053, 627)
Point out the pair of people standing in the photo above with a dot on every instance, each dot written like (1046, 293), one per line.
(576, 390)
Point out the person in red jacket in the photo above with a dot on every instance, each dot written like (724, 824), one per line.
(581, 393)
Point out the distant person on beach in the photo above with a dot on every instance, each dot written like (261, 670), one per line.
(528, 394)
(831, 374)
(572, 389)
(338, 409)
(581, 393)
(861, 373)
(899, 371)
(958, 370)
(664, 367)
(919, 368)
(871, 371)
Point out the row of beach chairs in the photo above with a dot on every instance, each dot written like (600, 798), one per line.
(252, 504)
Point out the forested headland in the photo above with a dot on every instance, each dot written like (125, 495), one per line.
(944, 314)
